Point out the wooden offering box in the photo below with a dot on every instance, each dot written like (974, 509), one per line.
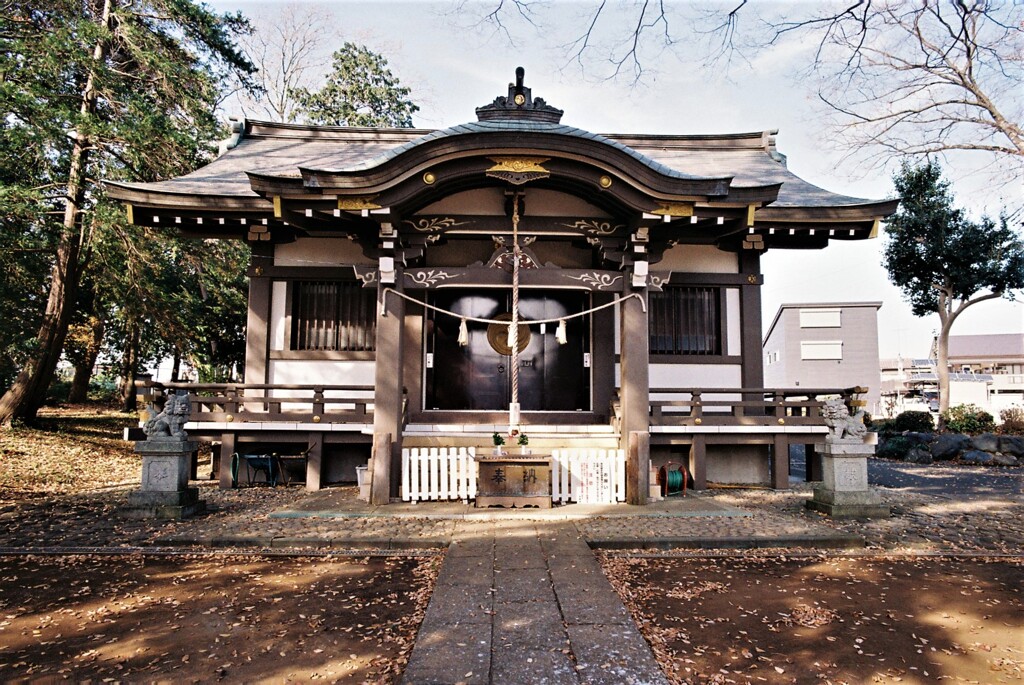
(514, 481)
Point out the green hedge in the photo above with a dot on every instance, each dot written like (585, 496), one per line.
(915, 421)
(969, 419)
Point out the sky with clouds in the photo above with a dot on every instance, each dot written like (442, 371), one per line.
(454, 62)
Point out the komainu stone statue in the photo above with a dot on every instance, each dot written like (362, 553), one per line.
(841, 424)
(170, 423)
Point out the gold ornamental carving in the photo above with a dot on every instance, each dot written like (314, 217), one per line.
(518, 170)
(673, 209)
(433, 224)
(356, 204)
(595, 227)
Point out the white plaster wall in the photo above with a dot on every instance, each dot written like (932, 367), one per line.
(697, 375)
(319, 252)
(706, 259)
(327, 372)
(734, 329)
(278, 293)
(691, 376)
(302, 372)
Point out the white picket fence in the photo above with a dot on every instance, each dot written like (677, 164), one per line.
(585, 476)
(439, 473)
(588, 476)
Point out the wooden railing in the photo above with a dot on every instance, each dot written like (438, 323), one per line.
(745, 406)
(240, 403)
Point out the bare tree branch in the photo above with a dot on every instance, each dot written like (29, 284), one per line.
(499, 15)
(900, 77)
(291, 48)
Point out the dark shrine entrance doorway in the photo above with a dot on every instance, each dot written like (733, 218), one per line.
(476, 376)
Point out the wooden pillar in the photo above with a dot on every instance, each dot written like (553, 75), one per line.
(780, 462)
(750, 321)
(603, 357)
(812, 464)
(698, 462)
(380, 469)
(634, 368)
(638, 468)
(387, 395)
(314, 462)
(227, 448)
(258, 320)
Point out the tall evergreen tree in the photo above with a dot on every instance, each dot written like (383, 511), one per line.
(360, 91)
(943, 261)
(101, 88)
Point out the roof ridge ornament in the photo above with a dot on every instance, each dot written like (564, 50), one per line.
(519, 105)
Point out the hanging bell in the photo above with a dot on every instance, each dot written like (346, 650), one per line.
(463, 333)
(560, 335)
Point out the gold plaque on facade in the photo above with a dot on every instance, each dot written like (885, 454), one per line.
(497, 335)
(355, 204)
(674, 209)
(429, 178)
(605, 181)
(518, 170)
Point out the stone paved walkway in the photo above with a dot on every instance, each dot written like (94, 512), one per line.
(526, 602)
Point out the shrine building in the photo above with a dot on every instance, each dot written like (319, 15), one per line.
(388, 264)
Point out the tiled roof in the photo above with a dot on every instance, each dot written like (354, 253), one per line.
(270, 149)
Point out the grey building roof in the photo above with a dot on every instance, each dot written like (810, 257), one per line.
(815, 305)
(999, 345)
(282, 149)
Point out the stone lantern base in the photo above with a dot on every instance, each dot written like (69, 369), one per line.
(844, 491)
(165, 493)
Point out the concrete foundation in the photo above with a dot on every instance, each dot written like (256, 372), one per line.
(738, 464)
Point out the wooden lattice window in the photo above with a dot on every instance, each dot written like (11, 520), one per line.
(333, 315)
(686, 320)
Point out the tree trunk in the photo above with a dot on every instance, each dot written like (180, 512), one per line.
(176, 366)
(948, 313)
(130, 368)
(942, 366)
(83, 370)
(23, 399)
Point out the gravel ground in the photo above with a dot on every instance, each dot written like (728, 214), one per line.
(920, 523)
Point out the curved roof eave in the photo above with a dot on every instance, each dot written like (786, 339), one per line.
(868, 210)
(489, 139)
(143, 194)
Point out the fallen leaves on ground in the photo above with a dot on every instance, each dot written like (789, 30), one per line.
(760, 618)
(197, 618)
(71, 450)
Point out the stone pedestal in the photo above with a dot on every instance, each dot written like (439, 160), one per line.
(165, 494)
(844, 491)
